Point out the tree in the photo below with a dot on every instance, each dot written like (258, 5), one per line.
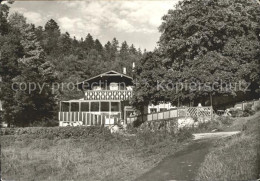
(108, 54)
(98, 46)
(89, 43)
(209, 41)
(10, 51)
(37, 105)
(132, 49)
(148, 73)
(39, 34)
(4, 11)
(65, 43)
(114, 49)
(124, 48)
(51, 37)
(18, 21)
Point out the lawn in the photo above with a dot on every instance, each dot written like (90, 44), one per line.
(98, 156)
(236, 157)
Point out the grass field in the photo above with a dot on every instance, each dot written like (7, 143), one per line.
(96, 157)
(235, 158)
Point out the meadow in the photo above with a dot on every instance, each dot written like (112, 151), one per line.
(236, 157)
(82, 153)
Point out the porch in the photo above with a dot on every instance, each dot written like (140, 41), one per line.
(89, 113)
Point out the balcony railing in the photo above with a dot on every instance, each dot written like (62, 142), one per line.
(108, 94)
(88, 119)
(195, 112)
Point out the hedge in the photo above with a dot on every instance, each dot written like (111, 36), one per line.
(57, 132)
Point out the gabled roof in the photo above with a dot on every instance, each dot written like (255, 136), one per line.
(108, 74)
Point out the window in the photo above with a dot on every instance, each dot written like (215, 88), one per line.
(153, 110)
(105, 106)
(94, 107)
(85, 106)
(74, 107)
(163, 109)
(115, 107)
(65, 106)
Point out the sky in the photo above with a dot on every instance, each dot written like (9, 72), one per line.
(135, 21)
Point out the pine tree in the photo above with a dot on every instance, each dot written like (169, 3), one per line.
(89, 43)
(37, 105)
(98, 46)
(4, 11)
(51, 36)
(64, 44)
(132, 49)
(10, 51)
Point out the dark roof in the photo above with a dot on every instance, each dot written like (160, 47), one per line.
(108, 74)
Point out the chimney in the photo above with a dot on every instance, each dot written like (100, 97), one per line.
(124, 70)
(133, 65)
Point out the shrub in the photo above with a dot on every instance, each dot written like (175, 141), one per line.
(225, 120)
(57, 132)
(236, 112)
(248, 110)
(46, 123)
(209, 126)
(131, 129)
(183, 134)
(137, 123)
(256, 107)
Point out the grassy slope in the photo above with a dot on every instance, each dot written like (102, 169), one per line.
(235, 158)
(94, 158)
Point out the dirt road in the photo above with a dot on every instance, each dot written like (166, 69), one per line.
(184, 164)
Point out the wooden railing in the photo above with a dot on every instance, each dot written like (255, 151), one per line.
(179, 112)
(108, 94)
(86, 119)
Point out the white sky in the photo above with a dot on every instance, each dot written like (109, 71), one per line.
(136, 21)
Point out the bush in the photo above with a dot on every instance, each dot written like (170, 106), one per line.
(248, 110)
(46, 123)
(208, 126)
(256, 107)
(57, 132)
(183, 134)
(147, 136)
(225, 120)
(131, 129)
(137, 123)
(236, 112)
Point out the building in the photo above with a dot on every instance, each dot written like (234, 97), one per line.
(106, 101)
(160, 107)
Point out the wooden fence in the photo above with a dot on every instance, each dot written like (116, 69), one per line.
(86, 119)
(179, 112)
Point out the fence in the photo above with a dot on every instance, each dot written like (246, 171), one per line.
(179, 112)
(85, 118)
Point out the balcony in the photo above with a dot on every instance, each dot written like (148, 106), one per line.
(108, 95)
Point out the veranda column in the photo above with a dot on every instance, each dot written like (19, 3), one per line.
(70, 115)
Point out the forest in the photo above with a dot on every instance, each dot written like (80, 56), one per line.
(45, 55)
